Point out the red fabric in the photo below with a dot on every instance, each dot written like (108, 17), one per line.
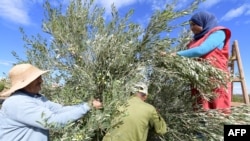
(218, 58)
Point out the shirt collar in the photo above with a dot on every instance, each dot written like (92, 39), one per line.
(30, 94)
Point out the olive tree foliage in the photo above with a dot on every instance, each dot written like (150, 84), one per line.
(2, 85)
(93, 57)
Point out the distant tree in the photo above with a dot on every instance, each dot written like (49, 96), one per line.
(1, 86)
(4, 83)
(90, 56)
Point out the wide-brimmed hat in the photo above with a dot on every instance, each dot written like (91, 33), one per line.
(20, 76)
(140, 87)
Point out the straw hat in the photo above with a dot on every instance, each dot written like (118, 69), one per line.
(22, 75)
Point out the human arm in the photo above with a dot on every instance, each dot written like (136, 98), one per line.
(158, 123)
(56, 107)
(33, 112)
(214, 40)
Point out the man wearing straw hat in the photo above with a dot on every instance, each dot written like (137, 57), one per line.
(25, 109)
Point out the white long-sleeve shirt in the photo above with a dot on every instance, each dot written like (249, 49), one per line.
(21, 116)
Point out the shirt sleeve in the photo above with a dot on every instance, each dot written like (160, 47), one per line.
(65, 114)
(158, 123)
(33, 112)
(214, 40)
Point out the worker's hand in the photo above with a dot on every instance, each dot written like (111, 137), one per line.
(173, 54)
(96, 104)
(163, 53)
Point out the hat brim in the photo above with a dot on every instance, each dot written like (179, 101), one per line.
(143, 91)
(22, 84)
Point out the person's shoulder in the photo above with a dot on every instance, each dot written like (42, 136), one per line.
(218, 32)
(220, 28)
(17, 98)
(136, 101)
(13, 101)
(221, 32)
(148, 106)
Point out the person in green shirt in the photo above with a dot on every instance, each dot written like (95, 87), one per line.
(139, 118)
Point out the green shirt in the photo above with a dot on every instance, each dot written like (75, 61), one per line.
(135, 125)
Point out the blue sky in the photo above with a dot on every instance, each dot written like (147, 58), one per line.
(234, 14)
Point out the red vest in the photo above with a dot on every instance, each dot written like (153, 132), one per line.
(217, 57)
